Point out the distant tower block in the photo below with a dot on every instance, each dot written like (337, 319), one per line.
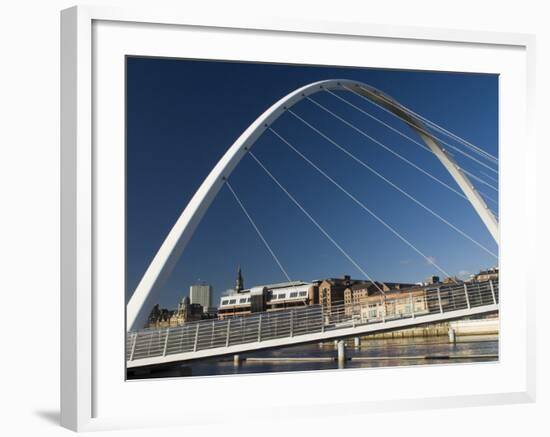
(202, 294)
(239, 283)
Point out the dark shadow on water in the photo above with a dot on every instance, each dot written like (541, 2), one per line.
(370, 353)
(50, 416)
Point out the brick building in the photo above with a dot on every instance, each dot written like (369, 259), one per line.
(164, 318)
(331, 291)
(357, 293)
(487, 275)
(394, 303)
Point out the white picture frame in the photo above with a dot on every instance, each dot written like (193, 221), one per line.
(93, 389)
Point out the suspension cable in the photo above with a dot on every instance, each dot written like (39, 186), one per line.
(374, 140)
(424, 131)
(473, 176)
(362, 205)
(389, 126)
(379, 143)
(257, 230)
(432, 125)
(325, 233)
(372, 170)
(397, 131)
(444, 131)
(486, 196)
(489, 176)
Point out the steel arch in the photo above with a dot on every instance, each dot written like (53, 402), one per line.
(180, 234)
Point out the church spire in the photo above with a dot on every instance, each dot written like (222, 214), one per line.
(239, 284)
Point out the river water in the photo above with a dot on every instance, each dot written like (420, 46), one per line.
(370, 353)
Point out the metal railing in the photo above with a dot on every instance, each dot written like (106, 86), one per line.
(210, 334)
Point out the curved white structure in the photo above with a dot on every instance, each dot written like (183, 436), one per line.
(181, 233)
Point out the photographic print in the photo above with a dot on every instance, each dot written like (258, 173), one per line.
(284, 217)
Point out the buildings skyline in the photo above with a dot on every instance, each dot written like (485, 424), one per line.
(273, 296)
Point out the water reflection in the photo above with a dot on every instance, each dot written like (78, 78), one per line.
(369, 353)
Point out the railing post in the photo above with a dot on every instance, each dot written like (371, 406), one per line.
(165, 342)
(383, 309)
(196, 337)
(227, 335)
(133, 346)
(466, 293)
(212, 336)
(322, 321)
(439, 300)
(291, 323)
(412, 304)
(492, 291)
(151, 336)
(260, 328)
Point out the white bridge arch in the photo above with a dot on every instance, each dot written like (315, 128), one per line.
(182, 231)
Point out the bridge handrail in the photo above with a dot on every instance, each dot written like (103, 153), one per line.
(215, 333)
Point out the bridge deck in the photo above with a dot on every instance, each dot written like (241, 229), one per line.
(209, 338)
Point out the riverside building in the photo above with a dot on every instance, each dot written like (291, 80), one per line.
(270, 297)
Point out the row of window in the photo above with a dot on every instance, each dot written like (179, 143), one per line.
(389, 301)
(234, 301)
(291, 295)
(244, 300)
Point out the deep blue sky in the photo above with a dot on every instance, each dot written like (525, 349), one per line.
(183, 115)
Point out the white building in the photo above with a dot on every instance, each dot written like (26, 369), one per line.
(268, 297)
(201, 294)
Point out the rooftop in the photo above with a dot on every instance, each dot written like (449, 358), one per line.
(274, 286)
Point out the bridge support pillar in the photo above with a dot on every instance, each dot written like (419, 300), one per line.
(452, 335)
(341, 353)
(357, 341)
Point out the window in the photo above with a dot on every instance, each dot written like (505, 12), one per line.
(232, 301)
(243, 300)
(225, 302)
(294, 294)
(282, 296)
(248, 299)
(273, 297)
(303, 293)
